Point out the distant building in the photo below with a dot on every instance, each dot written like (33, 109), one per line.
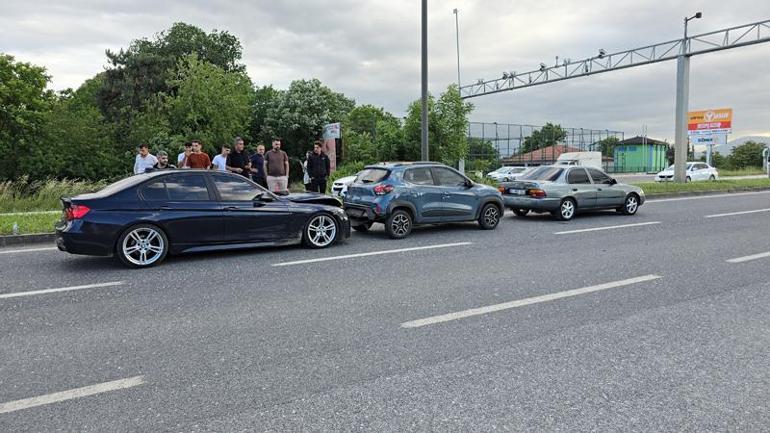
(640, 155)
(543, 156)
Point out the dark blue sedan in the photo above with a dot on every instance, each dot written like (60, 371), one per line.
(143, 218)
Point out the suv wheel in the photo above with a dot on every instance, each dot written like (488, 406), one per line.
(489, 216)
(142, 246)
(566, 210)
(399, 224)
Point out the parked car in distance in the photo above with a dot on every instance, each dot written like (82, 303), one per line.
(696, 171)
(583, 159)
(144, 217)
(401, 195)
(506, 174)
(565, 190)
(340, 186)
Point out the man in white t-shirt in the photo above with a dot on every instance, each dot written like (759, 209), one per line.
(187, 151)
(220, 161)
(144, 159)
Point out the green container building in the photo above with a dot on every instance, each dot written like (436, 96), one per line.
(640, 155)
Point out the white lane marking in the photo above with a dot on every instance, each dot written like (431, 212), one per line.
(595, 229)
(527, 301)
(749, 258)
(61, 289)
(719, 215)
(28, 250)
(703, 197)
(85, 391)
(373, 253)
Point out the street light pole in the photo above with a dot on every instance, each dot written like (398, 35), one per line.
(461, 163)
(424, 116)
(682, 103)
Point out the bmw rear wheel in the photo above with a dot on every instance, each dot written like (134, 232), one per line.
(142, 246)
(321, 231)
(399, 224)
(566, 210)
(489, 216)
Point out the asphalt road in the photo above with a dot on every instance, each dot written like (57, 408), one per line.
(660, 325)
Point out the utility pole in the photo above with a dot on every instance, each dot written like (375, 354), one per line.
(461, 163)
(424, 117)
(682, 104)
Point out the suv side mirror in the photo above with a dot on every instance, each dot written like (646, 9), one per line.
(469, 183)
(613, 181)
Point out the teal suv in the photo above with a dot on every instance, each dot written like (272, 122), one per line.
(402, 195)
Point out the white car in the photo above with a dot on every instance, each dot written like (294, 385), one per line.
(696, 171)
(340, 186)
(507, 174)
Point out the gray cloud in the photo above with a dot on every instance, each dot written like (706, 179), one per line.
(370, 51)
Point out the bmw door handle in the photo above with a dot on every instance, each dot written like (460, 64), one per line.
(232, 208)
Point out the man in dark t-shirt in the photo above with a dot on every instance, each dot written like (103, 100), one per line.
(258, 167)
(238, 160)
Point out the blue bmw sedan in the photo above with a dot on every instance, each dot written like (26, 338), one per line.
(145, 217)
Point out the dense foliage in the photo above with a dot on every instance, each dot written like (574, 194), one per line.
(186, 83)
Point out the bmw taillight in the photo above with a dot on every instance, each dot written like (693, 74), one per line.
(383, 189)
(536, 193)
(76, 212)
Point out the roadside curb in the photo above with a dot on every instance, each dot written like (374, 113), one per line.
(700, 193)
(36, 238)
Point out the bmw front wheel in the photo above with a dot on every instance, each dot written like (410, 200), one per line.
(321, 231)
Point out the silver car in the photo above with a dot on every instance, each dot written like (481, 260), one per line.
(565, 190)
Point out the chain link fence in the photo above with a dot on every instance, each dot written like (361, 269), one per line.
(495, 144)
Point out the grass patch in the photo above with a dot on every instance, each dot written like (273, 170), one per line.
(29, 224)
(748, 171)
(657, 188)
(23, 195)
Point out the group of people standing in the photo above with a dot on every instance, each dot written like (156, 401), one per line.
(269, 169)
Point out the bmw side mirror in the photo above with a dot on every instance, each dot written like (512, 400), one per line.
(263, 197)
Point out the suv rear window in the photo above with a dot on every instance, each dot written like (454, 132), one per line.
(543, 173)
(371, 175)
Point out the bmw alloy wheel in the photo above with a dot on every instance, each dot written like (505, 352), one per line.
(143, 246)
(321, 231)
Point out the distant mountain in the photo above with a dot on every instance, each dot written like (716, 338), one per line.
(726, 149)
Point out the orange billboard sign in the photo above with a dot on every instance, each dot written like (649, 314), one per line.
(709, 122)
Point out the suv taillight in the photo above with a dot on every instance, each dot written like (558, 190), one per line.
(383, 189)
(75, 212)
(536, 193)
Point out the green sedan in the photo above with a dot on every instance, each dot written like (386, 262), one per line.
(565, 190)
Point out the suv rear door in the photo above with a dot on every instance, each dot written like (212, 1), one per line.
(424, 194)
(458, 202)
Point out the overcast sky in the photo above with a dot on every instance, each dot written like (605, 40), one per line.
(370, 50)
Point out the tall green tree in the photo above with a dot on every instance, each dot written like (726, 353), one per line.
(147, 68)
(607, 145)
(211, 104)
(371, 132)
(447, 128)
(300, 113)
(548, 135)
(24, 105)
